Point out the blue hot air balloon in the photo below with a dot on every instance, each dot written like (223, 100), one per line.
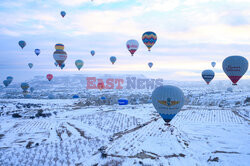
(56, 64)
(62, 66)
(75, 97)
(207, 75)
(22, 43)
(213, 64)
(25, 86)
(123, 101)
(168, 101)
(112, 59)
(6, 83)
(63, 13)
(10, 79)
(37, 51)
(150, 64)
(235, 67)
(92, 52)
(79, 63)
(103, 98)
(30, 65)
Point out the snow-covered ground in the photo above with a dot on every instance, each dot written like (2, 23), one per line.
(211, 129)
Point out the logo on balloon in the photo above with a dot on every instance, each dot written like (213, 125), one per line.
(168, 102)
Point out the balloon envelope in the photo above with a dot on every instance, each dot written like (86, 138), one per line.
(59, 46)
(75, 97)
(22, 43)
(49, 77)
(213, 64)
(6, 83)
(30, 65)
(150, 64)
(92, 52)
(235, 67)
(25, 86)
(132, 46)
(60, 56)
(112, 59)
(149, 38)
(168, 101)
(63, 13)
(9, 78)
(37, 51)
(79, 63)
(207, 75)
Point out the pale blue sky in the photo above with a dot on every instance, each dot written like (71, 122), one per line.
(191, 34)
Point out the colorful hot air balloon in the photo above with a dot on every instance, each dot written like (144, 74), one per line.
(132, 46)
(112, 59)
(6, 83)
(92, 52)
(25, 86)
(213, 64)
(10, 79)
(63, 13)
(49, 77)
(37, 51)
(207, 75)
(235, 67)
(60, 55)
(150, 64)
(32, 89)
(149, 38)
(22, 43)
(30, 65)
(79, 63)
(168, 101)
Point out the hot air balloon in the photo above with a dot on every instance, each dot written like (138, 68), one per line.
(132, 46)
(207, 75)
(235, 67)
(6, 83)
(100, 85)
(10, 79)
(63, 13)
(168, 101)
(37, 51)
(30, 65)
(22, 43)
(75, 97)
(123, 101)
(79, 63)
(103, 98)
(112, 59)
(62, 66)
(150, 64)
(60, 55)
(49, 77)
(25, 86)
(56, 64)
(149, 38)
(32, 89)
(213, 64)
(92, 52)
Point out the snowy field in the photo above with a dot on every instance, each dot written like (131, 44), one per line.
(211, 129)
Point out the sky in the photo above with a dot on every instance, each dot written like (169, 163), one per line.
(190, 35)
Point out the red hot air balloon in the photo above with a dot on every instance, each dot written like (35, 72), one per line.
(49, 77)
(100, 86)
